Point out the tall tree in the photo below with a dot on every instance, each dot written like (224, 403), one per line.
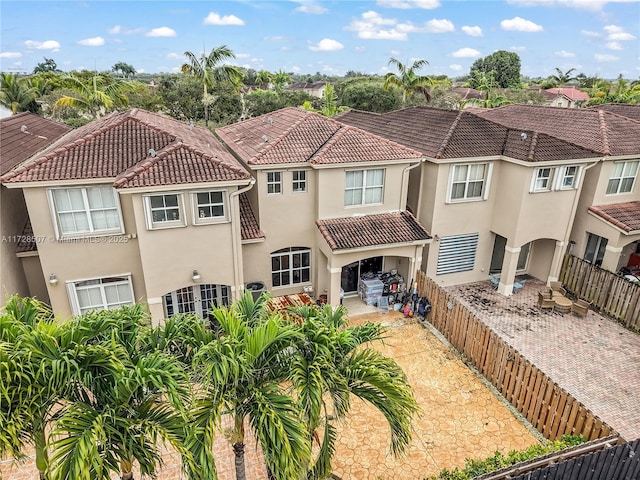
(15, 93)
(407, 80)
(208, 69)
(263, 79)
(124, 69)
(280, 79)
(98, 95)
(504, 65)
(330, 106)
(49, 65)
(561, 78)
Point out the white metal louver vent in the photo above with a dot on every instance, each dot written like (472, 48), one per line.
(457, 253)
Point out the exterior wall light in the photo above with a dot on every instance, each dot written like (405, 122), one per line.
(195, 276)
(53, 280)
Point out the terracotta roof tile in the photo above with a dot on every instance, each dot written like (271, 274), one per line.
(371, 230)
(625, 109)
(18, 143)
(293, 135)
(27, 241)
(249, 228)
(572, 93)
(625, 216)
(123, 143)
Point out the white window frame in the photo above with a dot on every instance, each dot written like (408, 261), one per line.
(534, 180)
(364, 187)
(486, 182)
(195, 208)
(290, 252)
(158, 225)
(73, 286)
(624, 175)
(300, 182)
(92, 231)
(274, 186)
(563, 175)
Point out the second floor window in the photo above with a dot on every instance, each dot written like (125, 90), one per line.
(164, 210)
(468, 181)
(299, 181)
(569, 177)
(364, 187)
(543, 179)
(86, 210)
(274, 182)
(622, 177)
(209, 206)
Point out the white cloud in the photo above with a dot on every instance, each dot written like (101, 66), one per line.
(602, 57)
(518, 24)
(466, 53)
(326, 45)
(243, 55)
(395, 53)
(590, 5)
(373, 26)
(472, 31)
(174, 56)
(359, 49)
(46, 45)
(10, 54)
(116, 29)
(615, 33)
(405, 4)
(613, 46)
(161, 32)
(91, 42)
(564, 54)
(215, 19)
(276, 38)
(455, 67)
(440, 26)
(515, 48)
(589, 33)
(310, 7)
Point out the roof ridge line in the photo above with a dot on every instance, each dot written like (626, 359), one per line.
(532, 146)
(603, 130)
(212, 158)
(145, 164)
(449, 134)
(285, 134)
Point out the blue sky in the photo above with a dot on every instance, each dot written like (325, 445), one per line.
(596, 37)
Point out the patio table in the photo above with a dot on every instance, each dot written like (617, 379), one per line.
(563, 304)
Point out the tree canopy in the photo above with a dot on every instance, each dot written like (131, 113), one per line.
(504, 65)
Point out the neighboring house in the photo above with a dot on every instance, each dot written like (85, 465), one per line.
(566, 97)
(136, 206)
(21, 136)
(330, 199)
(500, 188)
(315, 89)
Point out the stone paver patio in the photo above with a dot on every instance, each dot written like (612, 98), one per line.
(593, 358)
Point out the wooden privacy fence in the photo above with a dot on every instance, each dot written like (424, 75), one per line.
(548, 407)
(611, 294)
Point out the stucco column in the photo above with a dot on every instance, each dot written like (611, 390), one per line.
(333, 293)
(509, 267)
(611, 258)
(556, 262)
(157, 310)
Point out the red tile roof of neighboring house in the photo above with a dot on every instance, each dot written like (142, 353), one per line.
(572, 93)
(249, 228)
(625, 216)
(371, 230)
(25, 134)
(524, 132)
(136, 148)
(293, 135)
(625, 109)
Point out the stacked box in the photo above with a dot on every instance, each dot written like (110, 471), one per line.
(370, 290)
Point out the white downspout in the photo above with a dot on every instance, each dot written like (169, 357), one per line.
(236, 239)
(404, 193)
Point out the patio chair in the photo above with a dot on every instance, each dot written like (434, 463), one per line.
(545, 302)
(557, 287)
(495, 281)
(517, 286)
(580, 307)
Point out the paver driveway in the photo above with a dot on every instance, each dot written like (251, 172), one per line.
(594, 359)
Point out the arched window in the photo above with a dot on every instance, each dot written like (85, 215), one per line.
(290, 266)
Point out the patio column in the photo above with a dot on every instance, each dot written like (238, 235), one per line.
(157, 310)
(335, 278)
(556, 262)
(509, 267)
(611, 258)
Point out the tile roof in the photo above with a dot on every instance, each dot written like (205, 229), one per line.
(122, 146)
(572, 93)
(27, 241)
(625, 216)
(249, 228)
(371, 230)
(550, 133)
(625, 109)
(18, 143)
(293, 135)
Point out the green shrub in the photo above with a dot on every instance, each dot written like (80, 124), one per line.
(474, 468)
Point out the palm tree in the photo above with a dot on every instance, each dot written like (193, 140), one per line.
(207, 69)
(242, 374)
(561, 78)
(15, 93)
(280, 79)
(98, 95)
(122, 416)
(331, 362)
(263, 79)
(408, 80)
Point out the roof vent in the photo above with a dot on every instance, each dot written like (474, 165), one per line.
(523, 136)
(265, 138)
(152, 152)
(23, 129)
(270, 120)
(191, 125)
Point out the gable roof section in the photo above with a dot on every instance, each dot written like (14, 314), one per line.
(293, 135)
(572, 93)
(372, 230)
(18, 143)
(137, 148)
(625, 109)
(625, 216)
(249, 227)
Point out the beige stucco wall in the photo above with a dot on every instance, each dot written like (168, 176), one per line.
(35, 279)
(13, 214)
(86, 258)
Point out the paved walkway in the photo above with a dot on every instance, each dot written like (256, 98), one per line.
(593, 358)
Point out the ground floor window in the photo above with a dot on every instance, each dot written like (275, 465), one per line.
(100, 294)
(196, 299)
(290, 266)
(594, 252)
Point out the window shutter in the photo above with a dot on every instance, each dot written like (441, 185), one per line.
(457, 253)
